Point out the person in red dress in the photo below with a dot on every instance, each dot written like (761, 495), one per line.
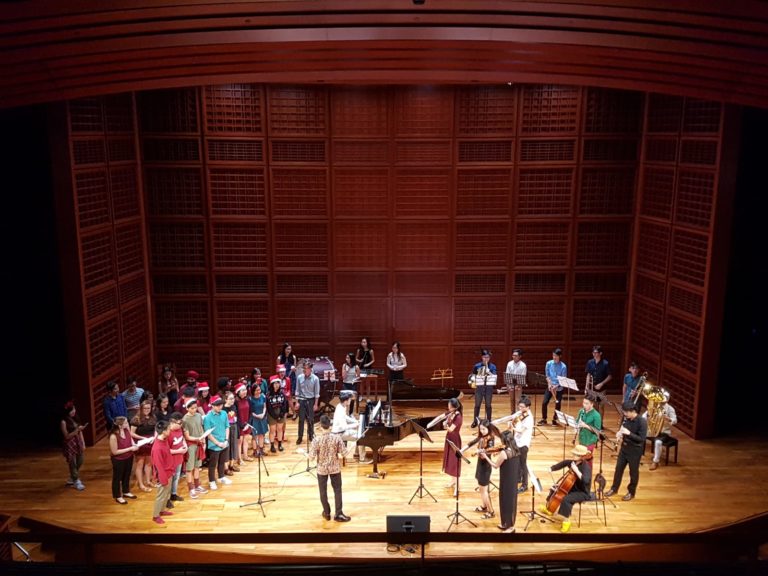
(452, 423)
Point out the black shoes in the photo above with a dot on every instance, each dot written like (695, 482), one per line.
(177, 498)
(609, 493)
(169, 504)
(474, 424)
(522, 489)
(342, 517)
(542, 422)
(327, 515)
(628, 496)
(299, 441)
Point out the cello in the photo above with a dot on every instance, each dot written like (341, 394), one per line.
(563, 487)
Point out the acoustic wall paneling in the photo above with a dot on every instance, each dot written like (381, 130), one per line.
(103, 248)
(677, 290)
(447, 218)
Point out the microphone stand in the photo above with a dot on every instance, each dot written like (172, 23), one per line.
(309, 469)
(457, 517)
(261, 501)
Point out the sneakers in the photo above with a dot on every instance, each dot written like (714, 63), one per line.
(213, 486)
(130, 496)
(79, 486)
(543, 509)
(566, 526)
(70, 482)
(609, 493)
(169, 504)
(201, 490)
(121, 501)
(194, 494)
(158, 520)
(226, 481)
(653, 466)
(166, 513)
(177, 498)
(522, 489)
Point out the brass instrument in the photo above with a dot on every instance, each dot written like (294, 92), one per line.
(657, 399)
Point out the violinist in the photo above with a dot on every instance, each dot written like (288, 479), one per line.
(484, 442)
(522, 426)
(573, 487)
(452, 423)
(589, 420)
(508, 463)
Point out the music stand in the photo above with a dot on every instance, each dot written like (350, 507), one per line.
(421, 490)
(600, 484)
(535, 487)
(308, 469)
(261, 501)
(538, 379)
(511, 381)
(567, 421)
(457, 517)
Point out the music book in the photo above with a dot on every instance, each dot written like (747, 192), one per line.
(206, 433)
(145, 441)
(568, 383)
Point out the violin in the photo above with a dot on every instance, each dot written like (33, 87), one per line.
(563, 487)
(491, 450)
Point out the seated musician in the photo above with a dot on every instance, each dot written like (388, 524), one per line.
(579, 491)
(670, 419)
(346, 425)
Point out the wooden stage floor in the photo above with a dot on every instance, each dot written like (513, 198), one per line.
(714, 484)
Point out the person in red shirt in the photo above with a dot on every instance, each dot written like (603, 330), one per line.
(162, 462)
(178, 451)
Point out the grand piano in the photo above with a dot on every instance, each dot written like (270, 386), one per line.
(403, 417)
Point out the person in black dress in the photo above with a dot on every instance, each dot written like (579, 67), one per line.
(484, 441)
(508, 463)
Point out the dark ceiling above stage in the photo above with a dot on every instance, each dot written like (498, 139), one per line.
(59, 49)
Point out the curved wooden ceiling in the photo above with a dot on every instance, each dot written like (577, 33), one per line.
(62, 49)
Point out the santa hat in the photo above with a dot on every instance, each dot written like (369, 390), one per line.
(281, 367)
(240, 387)
(274, 378)
(216, 400)
(189, 402)
(192, 374)
(203, 386)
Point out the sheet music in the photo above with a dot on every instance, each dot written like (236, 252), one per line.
(566, 419)
(511, 379)
(567, 383)
(375, 411)
(533, 479)
(145, 441)
(206, 433)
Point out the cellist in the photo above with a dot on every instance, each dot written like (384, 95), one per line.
(579, 476)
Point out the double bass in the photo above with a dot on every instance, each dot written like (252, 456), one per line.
(563, 487)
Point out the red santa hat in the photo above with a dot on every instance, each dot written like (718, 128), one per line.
(192, 374)
(216, 400)
(203, 386)
(281, 367)
(274, 378)
(240, 387)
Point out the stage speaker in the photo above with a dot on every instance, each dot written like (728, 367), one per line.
(408, 523)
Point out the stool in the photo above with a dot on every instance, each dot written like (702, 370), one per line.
(597, 502)
(667, 443)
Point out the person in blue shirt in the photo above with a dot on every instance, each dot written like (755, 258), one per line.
(217, 442)
(114, 405)
(631, 380)
(552, 370)
(484, 374)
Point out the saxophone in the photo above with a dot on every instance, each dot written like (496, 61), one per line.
(657, 399)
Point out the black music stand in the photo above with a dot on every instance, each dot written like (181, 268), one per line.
(457, 517)
(600, 480)
(511, 381)
(308, 469)
(538, 379)
(421, 490)
(532, 513)
(261, 501)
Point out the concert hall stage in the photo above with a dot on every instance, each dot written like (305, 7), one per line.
(715, 485)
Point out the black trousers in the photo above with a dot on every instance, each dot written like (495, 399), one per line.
(307, 414)
(322, 484)
(523, 466)
(483, 393)
(121, 476)
(566, 505)
(547, 398)
(628, 457)
(216, 461)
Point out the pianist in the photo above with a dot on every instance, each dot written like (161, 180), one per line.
(345, 425)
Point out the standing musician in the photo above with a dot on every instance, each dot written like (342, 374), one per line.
(552, 370)
(589, 420)
(515, 367)
(484, 385)
(631, 435)
(598, 373)
(629, 388)
(345, 425)
(522, 427)
(573, 487)
(484, 441)
(508, 463)
(452, 423)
